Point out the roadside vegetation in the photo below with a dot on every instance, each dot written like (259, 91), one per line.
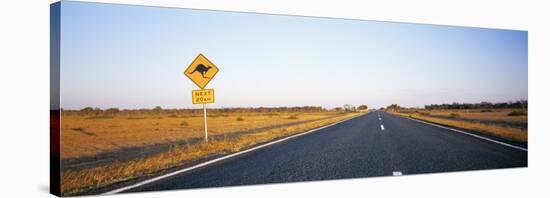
(504, 120)
(90, 133)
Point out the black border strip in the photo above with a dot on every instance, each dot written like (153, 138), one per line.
(55, 110)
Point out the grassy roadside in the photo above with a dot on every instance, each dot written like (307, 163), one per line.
(510, 133)
(91, 135)
(76, 182)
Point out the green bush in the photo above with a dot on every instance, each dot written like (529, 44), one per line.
(454, 115)
(136, 118)
(101, 117)
(517, 113)
(425, 113)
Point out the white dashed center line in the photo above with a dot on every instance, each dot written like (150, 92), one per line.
(397, 173)
(382, 127)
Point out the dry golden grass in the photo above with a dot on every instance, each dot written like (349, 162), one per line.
(87, 135)
(78, 181)
(511, 133)
(493, 115)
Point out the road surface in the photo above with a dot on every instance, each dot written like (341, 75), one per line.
(375, 144)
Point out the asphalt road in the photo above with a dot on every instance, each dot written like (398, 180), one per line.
(375, 144)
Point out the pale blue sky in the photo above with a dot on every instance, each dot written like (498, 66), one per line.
(134, 57)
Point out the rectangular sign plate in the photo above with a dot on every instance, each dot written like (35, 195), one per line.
(203, 96)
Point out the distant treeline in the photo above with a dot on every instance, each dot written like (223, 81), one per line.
(481, 105)
(160, 110)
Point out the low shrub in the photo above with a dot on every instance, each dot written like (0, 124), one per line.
(517, 113)
(425, 113)
(136, 118)
(101, 117)
(293, 117)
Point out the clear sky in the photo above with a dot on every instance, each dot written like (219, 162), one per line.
(134, 57)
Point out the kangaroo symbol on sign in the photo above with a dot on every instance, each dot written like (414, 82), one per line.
(201, 69)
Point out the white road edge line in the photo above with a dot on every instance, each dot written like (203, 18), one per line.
(382, 127)
(470, 134)
(397, 173)
(219, 159)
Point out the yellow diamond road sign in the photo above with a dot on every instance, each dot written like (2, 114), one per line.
(201, 71)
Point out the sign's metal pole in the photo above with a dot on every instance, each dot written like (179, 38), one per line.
(205, 123)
